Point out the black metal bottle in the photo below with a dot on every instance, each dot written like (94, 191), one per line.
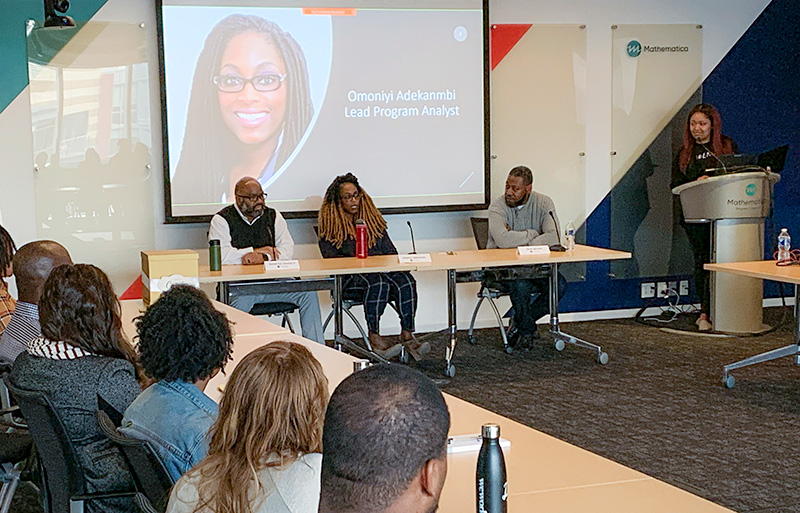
(490, 477)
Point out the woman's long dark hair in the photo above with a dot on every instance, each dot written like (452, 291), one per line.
(209, 147)
(720, 145)
(78, 306)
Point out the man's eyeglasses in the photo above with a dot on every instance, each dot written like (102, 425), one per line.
(254, 197)
(348, 197)
(262, 83)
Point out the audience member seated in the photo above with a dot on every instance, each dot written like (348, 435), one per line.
(33, 263)
(83, 353)
(265, 446)
(7, 302)
(344, 203)
(183, 343)
(385, 443)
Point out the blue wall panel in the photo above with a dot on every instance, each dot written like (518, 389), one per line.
(757, 90)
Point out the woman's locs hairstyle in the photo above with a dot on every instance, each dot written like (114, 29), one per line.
(209, 148)
(336, 225)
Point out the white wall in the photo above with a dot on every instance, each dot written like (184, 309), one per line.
(723, 20)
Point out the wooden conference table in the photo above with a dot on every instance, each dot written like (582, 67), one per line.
(765, 270)
(238, 279)
(544, 473)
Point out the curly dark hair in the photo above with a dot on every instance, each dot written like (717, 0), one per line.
(78, 306)
(7, 249)
(182, 337)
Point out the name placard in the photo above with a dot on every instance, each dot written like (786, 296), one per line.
(417, 258)
(533, 250)
(282, 265)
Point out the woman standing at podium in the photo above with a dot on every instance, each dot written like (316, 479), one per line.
(703, 142)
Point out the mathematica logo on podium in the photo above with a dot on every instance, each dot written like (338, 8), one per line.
(750, 190)
(634, 48)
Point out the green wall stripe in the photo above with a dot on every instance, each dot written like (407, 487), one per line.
(14, 69)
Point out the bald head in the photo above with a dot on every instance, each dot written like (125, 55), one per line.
(243, 186)
(33, 263)
(249, 197)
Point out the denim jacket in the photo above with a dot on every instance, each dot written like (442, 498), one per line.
(175, 417)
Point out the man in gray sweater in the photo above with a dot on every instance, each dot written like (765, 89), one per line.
(522, 217)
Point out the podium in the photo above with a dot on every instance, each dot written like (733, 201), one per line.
(735, 203)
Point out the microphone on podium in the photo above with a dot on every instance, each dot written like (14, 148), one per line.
(413, 245)
(724, 167)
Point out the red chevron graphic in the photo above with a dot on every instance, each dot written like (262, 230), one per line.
(503, 38)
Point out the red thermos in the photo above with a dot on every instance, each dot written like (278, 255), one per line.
(361, 239)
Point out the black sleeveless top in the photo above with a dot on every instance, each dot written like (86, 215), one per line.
(260, 233)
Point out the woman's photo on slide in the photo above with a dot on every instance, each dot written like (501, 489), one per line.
(249, 109)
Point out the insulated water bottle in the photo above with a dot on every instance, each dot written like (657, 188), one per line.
(490, 477)
(214, 255)
(361, 239)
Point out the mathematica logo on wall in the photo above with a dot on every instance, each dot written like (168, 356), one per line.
(635, 49)
(750, 190)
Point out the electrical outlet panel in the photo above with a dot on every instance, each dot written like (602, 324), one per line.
(684, 288)
(661, 289)
(648, 290)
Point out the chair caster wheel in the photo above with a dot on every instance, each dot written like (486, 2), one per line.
(471, 339)
(559, 345)
(509, 349)
(450, 371)
(729, 381)
(602, 358)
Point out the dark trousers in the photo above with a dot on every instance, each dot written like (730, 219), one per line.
(376, 290)
(700, 238)
(530, 300)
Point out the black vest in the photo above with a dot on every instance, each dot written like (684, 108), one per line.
(259, 234)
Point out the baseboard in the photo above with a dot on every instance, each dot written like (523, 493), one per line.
(624, 313)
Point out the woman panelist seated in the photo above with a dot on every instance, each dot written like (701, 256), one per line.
(345, 202)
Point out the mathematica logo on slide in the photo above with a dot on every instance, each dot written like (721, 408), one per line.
(750, 190)
(634, 48)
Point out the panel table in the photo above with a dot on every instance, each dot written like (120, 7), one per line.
(766, 270)
(256, 278)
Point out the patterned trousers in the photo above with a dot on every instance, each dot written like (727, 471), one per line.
(376, 290)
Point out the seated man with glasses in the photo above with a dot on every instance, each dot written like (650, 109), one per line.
(250, 233)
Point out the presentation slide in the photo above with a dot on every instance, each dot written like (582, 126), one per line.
(392, 92)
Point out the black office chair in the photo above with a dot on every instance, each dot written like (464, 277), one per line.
(480, 230)
(279, 308)
(63, 475)
(151, 477)
(9, 412)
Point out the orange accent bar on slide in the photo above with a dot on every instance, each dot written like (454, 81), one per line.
(330, 11)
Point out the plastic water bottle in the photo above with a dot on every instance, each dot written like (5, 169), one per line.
(490, 478)
(361, 239)
(784, 246)
(569, 236)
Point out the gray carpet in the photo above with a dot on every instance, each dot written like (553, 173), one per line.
(658, 406)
